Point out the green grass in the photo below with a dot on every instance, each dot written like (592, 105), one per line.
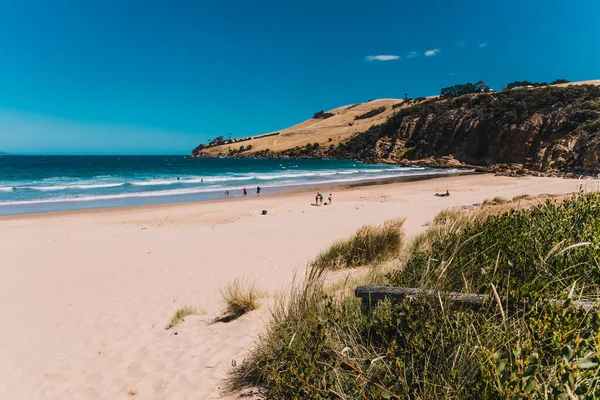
(371, 244)
(519, 344)
(180, 315)
(240, 298)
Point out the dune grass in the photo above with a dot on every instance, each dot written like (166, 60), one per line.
(180, 315)
(519, 344)
(371, 244)
(240, 298)
(522, 197)
(495, 201)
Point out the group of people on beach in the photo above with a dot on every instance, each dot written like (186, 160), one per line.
(245, 191)
(319, 199)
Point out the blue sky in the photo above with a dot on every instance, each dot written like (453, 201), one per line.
(158, 77)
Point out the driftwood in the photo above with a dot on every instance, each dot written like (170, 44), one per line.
(371, 295)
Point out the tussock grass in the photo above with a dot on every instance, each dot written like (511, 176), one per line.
(519, 344)
(240, 298)
(371, 244)
(495, 201)
(180, 315)
(446, 216)
(522, 197)
(445, 223)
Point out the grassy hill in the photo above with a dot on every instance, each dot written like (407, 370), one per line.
(339, 128)
(548, 128)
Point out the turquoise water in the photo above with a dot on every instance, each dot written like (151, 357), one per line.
(51, 183)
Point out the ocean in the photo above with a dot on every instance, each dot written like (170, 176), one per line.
(53, 183)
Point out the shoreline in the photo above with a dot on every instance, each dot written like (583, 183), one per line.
(266, 192)
(89, 293)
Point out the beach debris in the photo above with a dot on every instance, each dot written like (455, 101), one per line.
(264, 212)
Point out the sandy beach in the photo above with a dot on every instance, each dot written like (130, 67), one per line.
(86, 296)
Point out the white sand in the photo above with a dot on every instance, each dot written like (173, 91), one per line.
(85, 296)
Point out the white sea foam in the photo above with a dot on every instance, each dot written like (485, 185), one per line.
(210, 188)
(104, 182)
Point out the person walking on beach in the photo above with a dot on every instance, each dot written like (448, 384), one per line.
(258, 190)
(245, 192)
(317, 199)
(320, 199)
(329, 198)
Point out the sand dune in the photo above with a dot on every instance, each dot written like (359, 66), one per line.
(86, 296)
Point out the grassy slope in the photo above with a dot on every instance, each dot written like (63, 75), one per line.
(320, 130)
(317, 130)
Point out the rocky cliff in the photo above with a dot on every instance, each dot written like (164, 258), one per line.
(543, 129)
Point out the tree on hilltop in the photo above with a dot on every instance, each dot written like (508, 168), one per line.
(460, 89)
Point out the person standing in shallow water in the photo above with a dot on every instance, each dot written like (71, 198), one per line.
(258, 190)
(245, 192)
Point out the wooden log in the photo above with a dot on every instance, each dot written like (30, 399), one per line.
(371, 295)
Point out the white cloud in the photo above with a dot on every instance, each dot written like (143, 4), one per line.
(412, 54)
(383, 57)
(482, 45)
(462, 43)
(432, 52)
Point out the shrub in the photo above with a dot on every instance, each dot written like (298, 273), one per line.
(521, 84)
(239, 298)
(181, 314)
(370, 244)
(371, 113)
(459, 90)
(322, 115)
(217, 141)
